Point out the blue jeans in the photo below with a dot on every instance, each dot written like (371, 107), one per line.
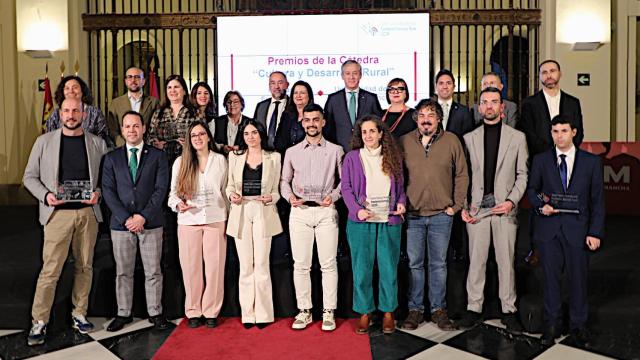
(433, 232)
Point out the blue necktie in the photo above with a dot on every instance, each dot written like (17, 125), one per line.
(563, 171)
(271, 134)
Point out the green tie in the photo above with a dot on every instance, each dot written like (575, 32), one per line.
(352, 107)
(133, 163)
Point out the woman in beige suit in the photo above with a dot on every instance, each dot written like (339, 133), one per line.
(252, 188)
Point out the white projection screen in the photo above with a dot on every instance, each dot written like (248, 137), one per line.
(312, 48)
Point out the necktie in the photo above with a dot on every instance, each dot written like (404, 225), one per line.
(272, 124)
(563, 171)
(133, 163)
(352, 107)
(445, 114)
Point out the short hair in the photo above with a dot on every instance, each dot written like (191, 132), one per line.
(134, 67)
(406, 89)
(228, 96)
(86, 92)
(279, 72)
(561, 120)
(312, 108)
(350, 62)
(445, 72)
(491, 73)
(428, 104)
(134, 113)
(491, 89)
(548, 61)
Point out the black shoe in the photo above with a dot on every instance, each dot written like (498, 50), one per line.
(581, 337)
(194, 322)
(469, 320)
(549, 336)
(211, 322)
(262, 325)
(510, 320)
(248, 325)
(159, 322)
(119, 322)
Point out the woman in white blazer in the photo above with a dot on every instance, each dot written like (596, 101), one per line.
(252, 188)
(198, 183)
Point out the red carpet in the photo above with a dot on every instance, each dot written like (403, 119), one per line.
(232, 341)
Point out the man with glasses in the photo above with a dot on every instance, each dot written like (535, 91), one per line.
(309, 183)
(437, 189)
(135, 100)
(269, 111)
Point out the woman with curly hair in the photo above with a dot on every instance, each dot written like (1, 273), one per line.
(373, 190)
(73, 87)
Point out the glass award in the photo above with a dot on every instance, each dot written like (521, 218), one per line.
(562, 202)
(202, 199)
(484, 210)
(379, 206)
(74, 190)
(311, 193)
(252, 186)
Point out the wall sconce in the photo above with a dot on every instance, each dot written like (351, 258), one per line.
(586, 45)
(42, 27)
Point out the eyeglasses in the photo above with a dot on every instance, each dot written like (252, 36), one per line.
(234, 102)
(131, 77)
(393, 89)
(198, 135)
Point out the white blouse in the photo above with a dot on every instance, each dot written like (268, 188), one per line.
(209, 204)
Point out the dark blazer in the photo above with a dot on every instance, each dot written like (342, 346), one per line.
(586, 182)
(338, 129)
(289, 132)
(146, 196)
(221, 123)
(460, 120)
(262, 109)
(535, 120)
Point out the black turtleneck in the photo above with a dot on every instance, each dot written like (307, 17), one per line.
(491, 145)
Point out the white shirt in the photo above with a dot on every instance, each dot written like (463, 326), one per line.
(209, 203)
(348, 93)
(553, 104)
(570, 159)
(272, 106)
(135, 104)
(378, 183)
(445, 114)
(138, 154)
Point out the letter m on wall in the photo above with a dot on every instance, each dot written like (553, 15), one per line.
(611, 176)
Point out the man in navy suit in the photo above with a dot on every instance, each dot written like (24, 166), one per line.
(345, 106)
(269, 111)
(565, 239)
(456, 118)
(135, 180)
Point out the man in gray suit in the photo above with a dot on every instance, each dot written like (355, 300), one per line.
(269, 111)
(498, 166)
(135, 100)
(63, 155)
(510, 113)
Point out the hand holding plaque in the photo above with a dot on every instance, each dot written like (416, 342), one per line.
(379, 207)
(561, 203)
(74, 191)
(484, 209)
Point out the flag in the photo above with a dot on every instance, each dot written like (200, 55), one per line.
(47, 107)
(153, 87)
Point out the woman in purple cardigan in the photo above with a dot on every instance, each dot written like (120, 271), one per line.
(373, 190)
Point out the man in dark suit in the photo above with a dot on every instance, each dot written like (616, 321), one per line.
(510, 113)
(135, 180)
(269, 111)
(456, 118)
(345, 106)
(564, 238)
(535, 118)
(134, 99)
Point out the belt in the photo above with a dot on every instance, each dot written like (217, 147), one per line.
(310, 204)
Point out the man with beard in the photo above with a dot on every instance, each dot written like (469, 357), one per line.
(436, 189)
(497, 156)
(269, 111)
(135, 100)
(536, 114)
(66, 154)
(309, 182)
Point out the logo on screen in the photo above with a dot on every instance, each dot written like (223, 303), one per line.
(370, 29)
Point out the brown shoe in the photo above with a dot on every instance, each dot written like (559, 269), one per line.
(415, 318)
(440, 318)
(388, 324)
(363, 324)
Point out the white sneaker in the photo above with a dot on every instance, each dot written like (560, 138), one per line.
(328, 320)
(37, 333)
(302, 320)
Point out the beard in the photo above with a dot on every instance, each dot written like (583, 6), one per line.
(73, 127)
(491, 117)
(308, 133)
(427, 131)
(135, 90)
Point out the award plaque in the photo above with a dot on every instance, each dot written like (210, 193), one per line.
(252, 187)
(74, 190)
(310, 193)
(202, 198)
(488, 202)
(379, 206)
(563, 203)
